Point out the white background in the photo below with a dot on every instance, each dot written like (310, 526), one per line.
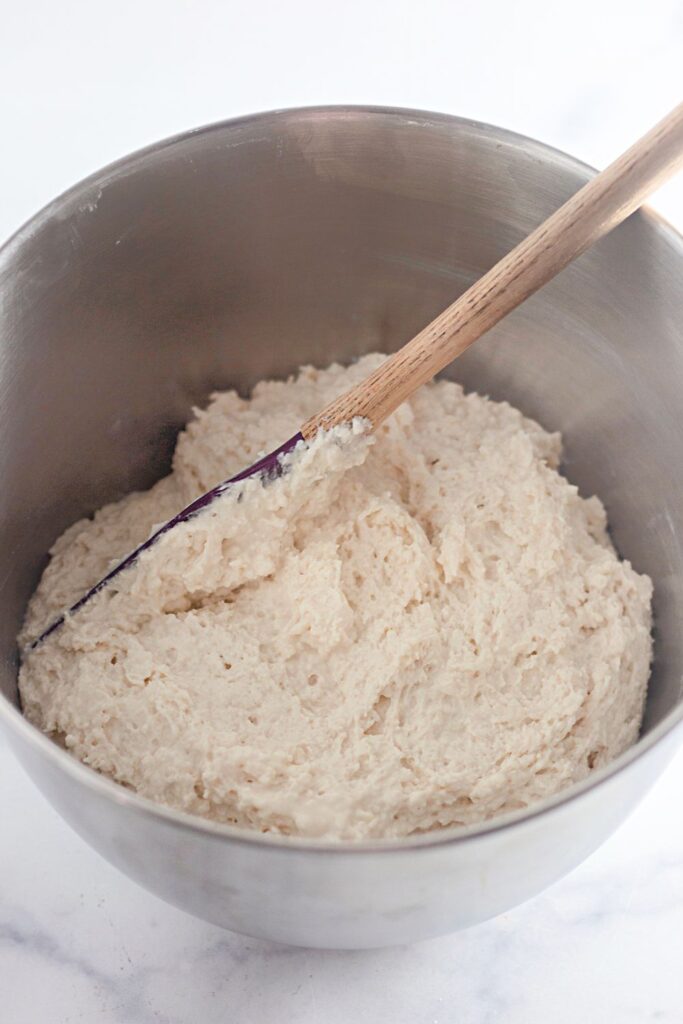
(82, 84)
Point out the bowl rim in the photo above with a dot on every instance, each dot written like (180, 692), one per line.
(15, 722)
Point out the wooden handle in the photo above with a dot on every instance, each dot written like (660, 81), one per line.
(598, 207)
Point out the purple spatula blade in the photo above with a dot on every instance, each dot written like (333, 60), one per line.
(268, 467)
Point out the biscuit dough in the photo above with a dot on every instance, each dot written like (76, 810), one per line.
(423, 628)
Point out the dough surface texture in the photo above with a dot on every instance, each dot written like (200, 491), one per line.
(424, 628)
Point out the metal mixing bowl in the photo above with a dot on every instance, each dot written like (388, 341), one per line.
(237, 252)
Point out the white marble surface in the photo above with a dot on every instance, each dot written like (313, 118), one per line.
(82, 85)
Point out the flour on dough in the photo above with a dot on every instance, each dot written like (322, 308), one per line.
(424, 628)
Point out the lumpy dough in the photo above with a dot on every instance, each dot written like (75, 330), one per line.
(422, 628)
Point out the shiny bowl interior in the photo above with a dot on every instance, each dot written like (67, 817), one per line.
(245, 249)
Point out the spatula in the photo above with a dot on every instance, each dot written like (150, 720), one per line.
(594, 210)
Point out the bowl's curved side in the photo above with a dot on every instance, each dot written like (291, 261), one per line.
(218, 234)
(343, 898)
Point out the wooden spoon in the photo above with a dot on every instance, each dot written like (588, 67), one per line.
(594, 210)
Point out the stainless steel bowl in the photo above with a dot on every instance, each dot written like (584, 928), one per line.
(238, 252)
